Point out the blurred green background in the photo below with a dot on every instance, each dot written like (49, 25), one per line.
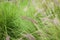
(29, 19)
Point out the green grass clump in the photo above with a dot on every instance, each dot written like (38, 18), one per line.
(30, 20)
(9, 22)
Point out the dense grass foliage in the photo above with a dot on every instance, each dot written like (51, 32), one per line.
(30, 20)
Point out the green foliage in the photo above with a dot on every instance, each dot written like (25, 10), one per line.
(9, 24)
(28, 20)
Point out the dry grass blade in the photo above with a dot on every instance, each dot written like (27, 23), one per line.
(29, 36)
(29, 19)
(8, 38)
